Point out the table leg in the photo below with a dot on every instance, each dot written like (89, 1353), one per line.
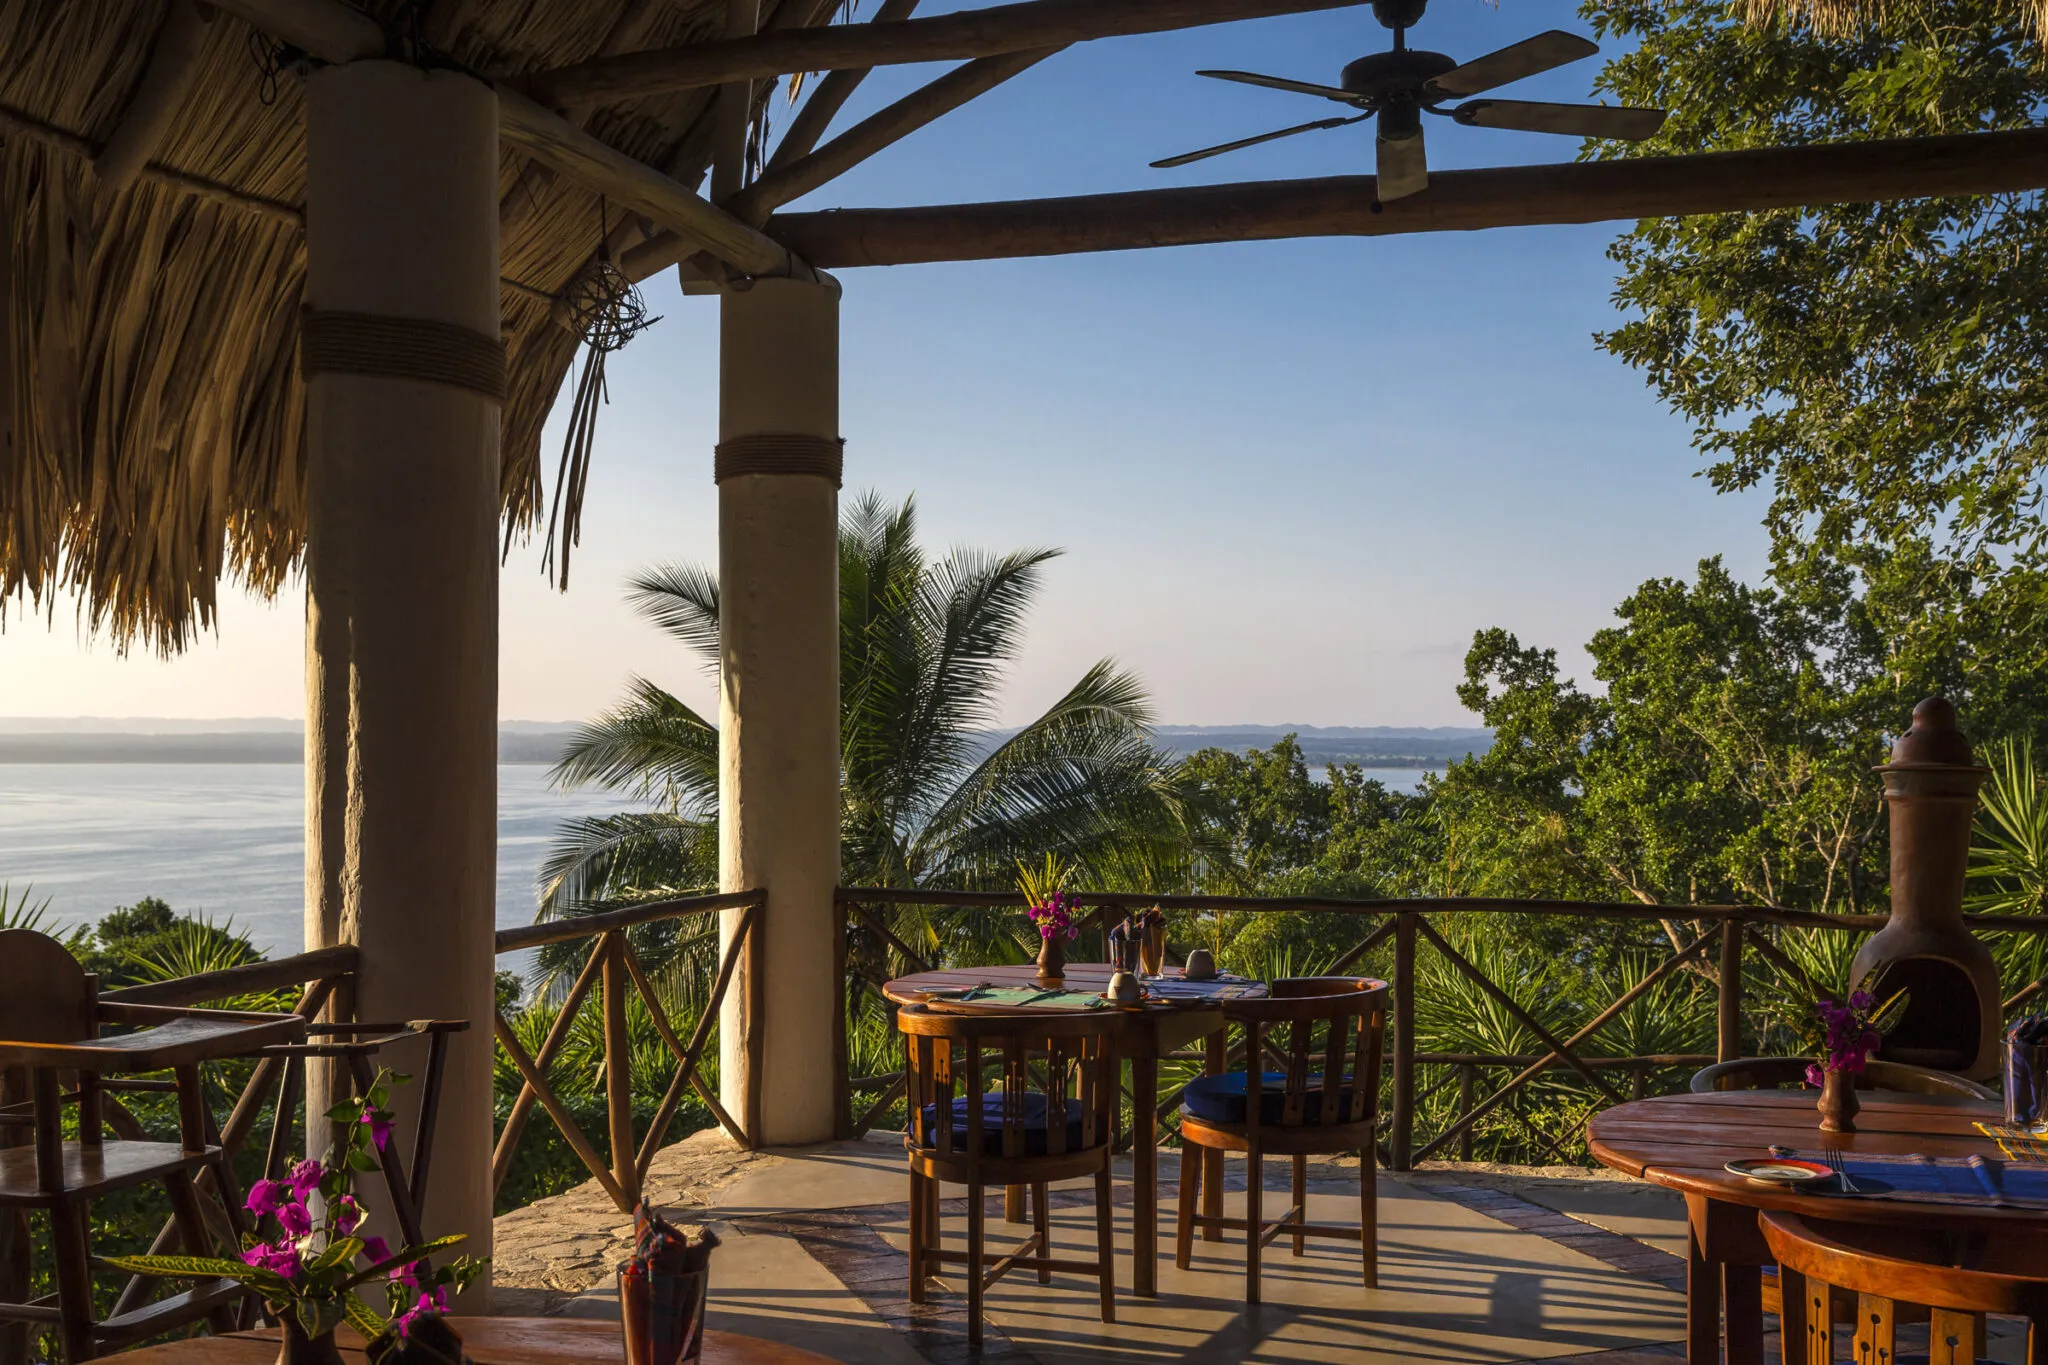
(1742, 1300)
(1215, 1062)
(1013, 1204)
(1702, 1302)
(1145, 1177)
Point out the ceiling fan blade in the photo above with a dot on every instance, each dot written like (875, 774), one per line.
(1185, 157)
(1540, 53)
(1328, 92)
(1403, 168)
(1575, 120)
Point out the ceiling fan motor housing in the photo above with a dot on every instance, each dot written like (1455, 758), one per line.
(1395, 76)
(1398, 13)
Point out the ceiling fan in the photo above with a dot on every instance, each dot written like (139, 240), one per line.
(1400, 86)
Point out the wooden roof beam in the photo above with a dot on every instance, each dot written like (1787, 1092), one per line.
(829, 96)
(1456, 201)
(961, 36)
(173, 65)
(334, 32)
(882, 129)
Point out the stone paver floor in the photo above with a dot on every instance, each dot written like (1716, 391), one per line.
(1488, 1265)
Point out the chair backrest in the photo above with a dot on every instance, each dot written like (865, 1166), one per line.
(1780, 1073)
(45, 995)
(1055, 1057)
(1884, 1265)
(1350, 1012)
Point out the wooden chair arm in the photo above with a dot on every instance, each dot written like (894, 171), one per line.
(180, 1041)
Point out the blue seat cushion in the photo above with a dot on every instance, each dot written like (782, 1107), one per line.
(1221, 1099)
(992, 1124)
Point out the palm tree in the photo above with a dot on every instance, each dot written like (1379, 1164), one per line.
(931, 795)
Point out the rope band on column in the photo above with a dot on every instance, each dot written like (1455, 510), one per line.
(402, 348)
(784, 452)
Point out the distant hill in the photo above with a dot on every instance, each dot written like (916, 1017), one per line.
(271, 740)
(1370, 746)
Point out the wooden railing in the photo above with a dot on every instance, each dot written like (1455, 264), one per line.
(1724, 932)
(615, 970)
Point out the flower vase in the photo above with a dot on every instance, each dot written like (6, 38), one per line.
(1838, 1103)
(296, 1348)
(1052, 961)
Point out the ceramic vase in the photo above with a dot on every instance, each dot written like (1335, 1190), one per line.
(296, 1348)
(1838, 1103)
(1052, 961)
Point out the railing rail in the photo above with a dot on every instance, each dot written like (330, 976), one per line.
(615, 971)
(1722, 935)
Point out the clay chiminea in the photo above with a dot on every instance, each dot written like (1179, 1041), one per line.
(1951, 1021)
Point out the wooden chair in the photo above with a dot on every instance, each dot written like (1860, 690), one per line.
(1313, 1108)
(1789, 1073)
(1051, 1120)
(1889, 1268)
(50, 1019)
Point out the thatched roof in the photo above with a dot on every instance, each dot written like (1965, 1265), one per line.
(156, 437)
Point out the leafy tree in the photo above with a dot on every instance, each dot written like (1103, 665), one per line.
(1877, 365)
(149, 941)
(930, 796)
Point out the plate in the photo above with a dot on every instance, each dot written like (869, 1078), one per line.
(1779, 1170)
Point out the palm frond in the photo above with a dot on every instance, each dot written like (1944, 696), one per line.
(682, 601)
(651, 745)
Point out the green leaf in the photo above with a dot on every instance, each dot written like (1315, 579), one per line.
(363, 1318)
(403, 1257)
(339, 1252)
(347, 1109)
(182, 1267)
(359, 1160)
(318, 1317)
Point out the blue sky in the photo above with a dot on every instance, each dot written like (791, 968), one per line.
(1291, 478)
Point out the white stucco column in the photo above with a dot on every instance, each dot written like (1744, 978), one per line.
(778, 571)
(401, 349)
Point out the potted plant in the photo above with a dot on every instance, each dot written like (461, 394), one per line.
(1051, 909)
(1842, 1031)
(309, 1275)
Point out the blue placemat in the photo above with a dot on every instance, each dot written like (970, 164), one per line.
(1982, 1181)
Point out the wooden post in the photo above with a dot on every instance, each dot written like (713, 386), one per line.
(1466, 1073)
(618, 1067)
(1729, 1004)
(1401, 1140)
(402, 500)
(842, 1087)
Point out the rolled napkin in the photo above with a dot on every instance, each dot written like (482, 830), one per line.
(662, 1291)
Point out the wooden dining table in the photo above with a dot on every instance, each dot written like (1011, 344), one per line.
(1154, 1029)
(1684, 1142)
(486, 1341)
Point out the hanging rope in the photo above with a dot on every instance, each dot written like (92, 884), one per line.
(606, 310)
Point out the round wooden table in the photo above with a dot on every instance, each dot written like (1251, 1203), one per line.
(1156, 1028)
(488, 1341)
(1683, 1142)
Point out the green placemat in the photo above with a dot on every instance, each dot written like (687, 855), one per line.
(1024, 997)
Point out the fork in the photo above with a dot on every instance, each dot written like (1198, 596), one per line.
(1841, 1171)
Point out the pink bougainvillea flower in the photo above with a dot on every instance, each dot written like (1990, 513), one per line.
(267, 1196)
(380, 1127)
(377, 1249)
(306, 1177)
(348, 1215)
(281, 1259)
(407, 1273)
(295, 1220)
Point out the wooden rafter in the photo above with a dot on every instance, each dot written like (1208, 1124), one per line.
(882, 129)
(1575, 192)
(988, 32)
(173, 64)
(829, 96)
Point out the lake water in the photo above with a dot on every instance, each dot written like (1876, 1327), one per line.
(227, 839)
(223, 839)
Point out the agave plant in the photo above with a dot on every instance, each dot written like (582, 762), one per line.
(2009, 858)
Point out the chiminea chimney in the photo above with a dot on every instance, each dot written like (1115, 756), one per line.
(1952, 1018)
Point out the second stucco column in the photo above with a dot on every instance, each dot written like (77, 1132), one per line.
(778, 469)
(404, 377)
